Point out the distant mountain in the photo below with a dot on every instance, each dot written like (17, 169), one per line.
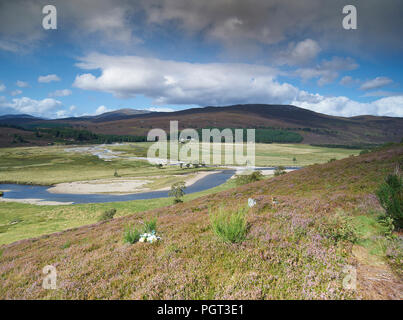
(110, 116)
(315, 128)
(18, 119)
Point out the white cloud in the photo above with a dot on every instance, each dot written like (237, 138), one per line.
(45, 107)
(160, 109)
(2, 87)
(16, 92)
(60, 93)
(62, 113)
(102, 109)
(171, 82)
(343, 106)
(376, 83)
(300, 53)
(72, 108)
(22, 84)
(48, 78)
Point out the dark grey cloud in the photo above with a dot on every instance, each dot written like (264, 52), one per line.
(231, 23)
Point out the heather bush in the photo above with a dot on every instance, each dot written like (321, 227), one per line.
(248, 178)
(107, 215)
(390, 195)
(229, 225)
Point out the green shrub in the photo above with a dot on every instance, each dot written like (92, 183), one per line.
(66, 245)
(150, 225)
(107, 215)
(332, 160)
(131, 235)
(390, 195)
(279, 171)
(230, 226)
(116, 174)
(248, 178)
(340, 228)
(388, 223)
(1, 193)
(177, 191)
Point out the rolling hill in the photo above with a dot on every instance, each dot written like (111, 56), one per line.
(315, 128)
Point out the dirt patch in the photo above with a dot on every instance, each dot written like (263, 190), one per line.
(38, 202)
(100, 186)
(375, 279)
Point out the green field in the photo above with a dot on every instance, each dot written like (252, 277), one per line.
(274, 154)
(51, 165)
(20, 221)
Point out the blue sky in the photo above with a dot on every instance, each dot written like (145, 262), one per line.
(174, 54)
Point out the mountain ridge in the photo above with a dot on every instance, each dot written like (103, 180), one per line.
(316, 128)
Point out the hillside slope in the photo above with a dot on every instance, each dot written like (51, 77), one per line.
(316, 128)
(291, 251)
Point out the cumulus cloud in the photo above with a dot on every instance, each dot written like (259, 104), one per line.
(22, 84)
(343, 106)
(45, 107)
(60, 93)
(48, 78)
(2, 87)
(300, 53)
(376, 83)
(160, 109)
(171, 82)
(102, 109)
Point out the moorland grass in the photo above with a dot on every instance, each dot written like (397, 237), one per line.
(230, 225)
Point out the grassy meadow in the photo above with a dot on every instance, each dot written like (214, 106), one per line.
(273, 154)
(20, 221)
(52, 164)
